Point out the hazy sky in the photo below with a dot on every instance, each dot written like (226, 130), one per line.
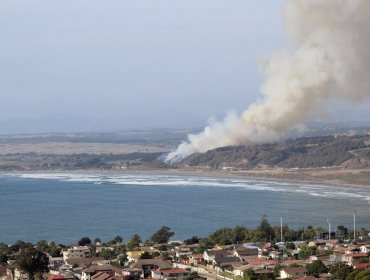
(138, 63)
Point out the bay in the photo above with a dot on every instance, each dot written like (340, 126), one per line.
(63, 207)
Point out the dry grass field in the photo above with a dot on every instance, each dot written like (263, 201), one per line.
(68, 148)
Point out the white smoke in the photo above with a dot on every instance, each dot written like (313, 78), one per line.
(329, 59)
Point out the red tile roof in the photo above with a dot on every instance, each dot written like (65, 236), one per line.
(55, 277)
(357, 255)
(362, 265)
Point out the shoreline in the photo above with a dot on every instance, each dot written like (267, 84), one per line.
(333, 176)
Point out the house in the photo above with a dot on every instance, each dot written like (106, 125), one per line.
(182, 251)
(77, 252)
(147, 265)
(106, 276)
(14, 273)
(362, 265)
(209, 255)
(276, 255)
(56, 277)
(350, 259)
(332, 243)
(170, 273)
(365, 248)
(223, 261)
(196, 259)
(293, 272)
(239, 271)
(134, 272)
(83, 261)
(334, 258)
(259, 263)
(244, 254)
(134, 256)
(55, 262)
(89, 272)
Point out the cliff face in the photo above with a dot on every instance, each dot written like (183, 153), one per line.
(310, 152)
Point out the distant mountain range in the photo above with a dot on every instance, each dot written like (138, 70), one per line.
(70, 123)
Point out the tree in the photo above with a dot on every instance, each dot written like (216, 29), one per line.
(19, 245)
(84, 241)
(222, 236)
(3, 258)
(248, 274)
(192, 240)
(309, 233)
(342, 232)
(117, 240)
(146, 255)
(204, 244)
(107, 254)
(163, 235)
(340, 271)
(97, 240)
(32, 261)
(51, 248)
(239, 234)
(316, 268)
(265, 231)
(306, 251)
(359, 274)
(277, 269)
(134, 242)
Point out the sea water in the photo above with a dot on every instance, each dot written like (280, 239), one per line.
(66, 206)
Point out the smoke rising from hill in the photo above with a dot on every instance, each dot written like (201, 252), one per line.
(329, 59)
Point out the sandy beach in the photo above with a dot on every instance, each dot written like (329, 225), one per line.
(328, 176)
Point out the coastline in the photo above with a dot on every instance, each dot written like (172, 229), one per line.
(351, 178)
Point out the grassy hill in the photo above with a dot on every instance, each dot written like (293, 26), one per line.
(308, 152)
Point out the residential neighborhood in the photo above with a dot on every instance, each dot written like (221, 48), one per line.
(192, 259)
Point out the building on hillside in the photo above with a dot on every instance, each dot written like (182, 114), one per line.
(170, 273)
(77, 252)
(209, 255)
(13, 273)
(365, 248)
(81, 262)
(196, 259)
(292, 272)
(244, 254)
(350, 259)
(147, 265)
(55, 262)
(133, 272)
(89, 272)
(134, 256)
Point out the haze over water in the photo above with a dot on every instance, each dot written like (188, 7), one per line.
(66, 206)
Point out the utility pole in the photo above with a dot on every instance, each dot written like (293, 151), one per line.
(328, 220)
(281, 228)
(354, 226)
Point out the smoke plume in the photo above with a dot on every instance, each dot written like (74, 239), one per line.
(329, 59)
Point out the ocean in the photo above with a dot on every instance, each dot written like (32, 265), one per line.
(63, 207)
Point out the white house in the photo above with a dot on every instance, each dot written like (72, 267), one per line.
(292, 272)
(77, 252)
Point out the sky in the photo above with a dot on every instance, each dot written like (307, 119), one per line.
(117, 64)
